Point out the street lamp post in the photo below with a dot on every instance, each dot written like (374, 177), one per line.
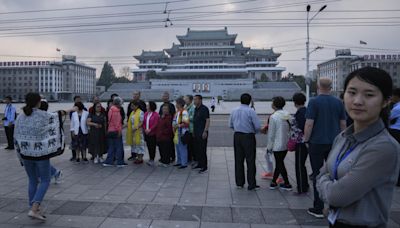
(308, 49)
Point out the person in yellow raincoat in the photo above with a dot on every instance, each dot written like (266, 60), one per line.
(134, 133)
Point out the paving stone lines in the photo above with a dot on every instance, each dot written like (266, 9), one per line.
(141, 196)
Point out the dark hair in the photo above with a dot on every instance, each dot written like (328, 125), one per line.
(31, 100)
(9, 98)
(180, 101)
(379, 78)
(245, 99)
(199, 96)
(76, 97)
(93, 109)
(396, 92)
(79, 105)
(113, 95)
(190, 97)
(152, 105)
(279, 102)
(44, 106)
(299, 99)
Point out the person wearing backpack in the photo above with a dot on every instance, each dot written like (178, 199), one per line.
(278, 137)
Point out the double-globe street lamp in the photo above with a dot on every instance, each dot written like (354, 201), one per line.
(307, 76)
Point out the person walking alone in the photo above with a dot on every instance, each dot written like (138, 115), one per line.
(244, 121)
(9, 119)
(38, 137)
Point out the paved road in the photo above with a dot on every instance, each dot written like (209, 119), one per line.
(145, 197)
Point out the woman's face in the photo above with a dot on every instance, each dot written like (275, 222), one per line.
(148, 107)
(363, 101)
(98, 107)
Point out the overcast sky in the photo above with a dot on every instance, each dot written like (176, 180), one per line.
(286, 36)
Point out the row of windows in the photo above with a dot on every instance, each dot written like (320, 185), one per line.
(18, 84)
(26, 63)
(205, 43)
(206, 53)
(14, 71)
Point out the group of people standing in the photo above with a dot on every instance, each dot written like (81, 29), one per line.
(180, 132)
(351, 144)
(354, 166)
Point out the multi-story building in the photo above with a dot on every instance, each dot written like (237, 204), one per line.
(338, 68)
(208, 63)
(55, 80)
(389, 63)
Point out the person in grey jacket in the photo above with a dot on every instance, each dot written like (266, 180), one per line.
(278, 137)
(358, 179)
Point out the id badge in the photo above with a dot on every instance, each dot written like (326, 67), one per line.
(332, 216)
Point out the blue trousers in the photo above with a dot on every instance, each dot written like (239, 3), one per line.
(39, 175)
(115, 149)
(182, 153)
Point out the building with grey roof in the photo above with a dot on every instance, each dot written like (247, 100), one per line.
(53, 79)
(207, 62)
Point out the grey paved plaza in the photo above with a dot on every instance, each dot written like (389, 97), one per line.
(141, 196)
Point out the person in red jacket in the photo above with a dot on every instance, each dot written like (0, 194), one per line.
(150, 122)
(164, 136)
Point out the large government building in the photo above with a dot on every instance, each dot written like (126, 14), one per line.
(210, 63)
(345, 62)
(55, 80)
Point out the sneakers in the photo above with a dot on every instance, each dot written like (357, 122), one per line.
(85, 161)
(316, 213)
(78, 160)
(150, 163)
(72, 159)
(267, 176)
(240, 186)
(176, 165)
(196, 167)
(96, 160)
(107, 165)
(203, 170)
(122, 165)
(286, 187)
(131, 158)
(255, 188)
(273, 186)
(36, 215)
(57, 177)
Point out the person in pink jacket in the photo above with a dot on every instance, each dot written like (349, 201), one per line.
(150, 122)
(114, 135)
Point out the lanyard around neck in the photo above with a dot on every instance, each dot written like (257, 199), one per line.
(342, 158)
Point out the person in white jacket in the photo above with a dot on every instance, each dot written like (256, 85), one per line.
(278, 137)
(80, 132)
